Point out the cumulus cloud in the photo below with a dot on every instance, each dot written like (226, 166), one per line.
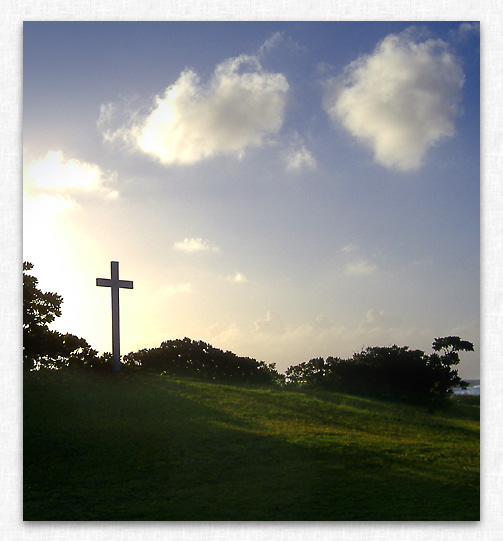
(238, 278)
(400, 100)
(195, 245)
(272, 324)
(286, 344)
(238, 108)
(62, 177)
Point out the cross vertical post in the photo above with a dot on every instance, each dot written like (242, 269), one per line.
(114, 284)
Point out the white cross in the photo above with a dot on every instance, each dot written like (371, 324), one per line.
(114, 284)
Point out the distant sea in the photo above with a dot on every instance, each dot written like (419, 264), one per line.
(473, 388)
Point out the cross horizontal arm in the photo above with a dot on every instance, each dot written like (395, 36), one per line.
(106, 282)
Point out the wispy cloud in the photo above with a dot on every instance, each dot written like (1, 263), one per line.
(271, 42)
(288, 343)
(195, 245)
(240, 107)
(299, 157)
(349, 248)
(238, 278)
(400, 100)
(175, 289)
(358, 266)
(361, 267)
(378, 319)
(272, 324)
(38, 209)
(465, 31)
(321, 324)
(65, 178)
(280, 40)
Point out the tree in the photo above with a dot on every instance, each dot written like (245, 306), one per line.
(444, 377)
(43, 347)
(389, 372)
(39, 310)
(198, 359)
(451, 345)
(316, 373)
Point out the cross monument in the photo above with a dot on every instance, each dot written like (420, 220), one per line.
(114, 284)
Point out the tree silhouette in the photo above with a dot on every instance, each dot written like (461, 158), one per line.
(444, 377)
(39, 310)
(198, 359)
(43, 347)
(392, 372)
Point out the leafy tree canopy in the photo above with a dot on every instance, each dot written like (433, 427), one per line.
(43, 347)
(451, 345)
(389, 372)
(39, 308)
(198, 359)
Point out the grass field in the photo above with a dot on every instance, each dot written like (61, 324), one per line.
(149, 447)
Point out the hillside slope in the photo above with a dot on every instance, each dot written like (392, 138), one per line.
(121, 447)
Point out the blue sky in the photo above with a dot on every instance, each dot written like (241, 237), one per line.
(282, 190)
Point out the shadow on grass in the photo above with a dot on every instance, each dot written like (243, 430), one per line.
(150, 448)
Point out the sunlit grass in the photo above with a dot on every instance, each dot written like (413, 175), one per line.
(149, 447)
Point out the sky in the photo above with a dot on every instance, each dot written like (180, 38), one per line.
(281, 190)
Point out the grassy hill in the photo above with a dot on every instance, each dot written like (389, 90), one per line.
(148, 447)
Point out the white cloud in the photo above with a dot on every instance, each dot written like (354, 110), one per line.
(272, 42)
(272, 324)
(106, 114)
(321, 324)
(195, 245)
(400, 100)
(287, 344)
(48, 205)
(238, 108)
(173, 290)
(61, 177)
(466, 31)
(42, 213)
(469, 28)
(361, 267)
(297, 156)
(280, 40)
(238, 278)
(357, 267)
(300, 157)
(378, 319)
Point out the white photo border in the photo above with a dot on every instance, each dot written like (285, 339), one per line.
(490, 14)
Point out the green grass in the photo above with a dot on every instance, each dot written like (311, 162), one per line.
(148, 447)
